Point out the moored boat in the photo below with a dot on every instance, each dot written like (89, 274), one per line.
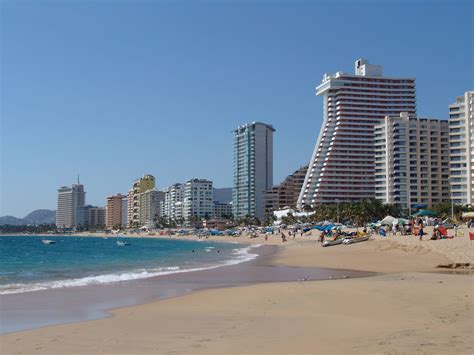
(356, 240)
(48, 241)
(328, 243)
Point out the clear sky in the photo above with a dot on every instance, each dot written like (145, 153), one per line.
(116, 89)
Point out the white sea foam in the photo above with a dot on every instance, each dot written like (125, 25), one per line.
(239, 256)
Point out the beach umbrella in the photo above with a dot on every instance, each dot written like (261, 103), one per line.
(468, 215)
(387, 220)
(402, 221)
(425, 213)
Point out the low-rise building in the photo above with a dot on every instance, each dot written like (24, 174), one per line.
(222, 210)
(286, 194)
(90, 216)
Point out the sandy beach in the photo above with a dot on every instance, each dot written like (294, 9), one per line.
(410, 307)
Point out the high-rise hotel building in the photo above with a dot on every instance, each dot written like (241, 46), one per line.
(253, 168)
(197, 199)
(113, 217)
(172, 206)
(342, 164)
(461, 138)
(412, 161)
(145, 183)
(69, 201)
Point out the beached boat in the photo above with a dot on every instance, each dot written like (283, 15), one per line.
(356, 240)
(121, 243)
(48, 241)
(328, 243)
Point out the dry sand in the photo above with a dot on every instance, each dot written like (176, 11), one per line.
(412, 308)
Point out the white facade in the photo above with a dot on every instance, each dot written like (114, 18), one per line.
(342, 164)
(69, 200)
(253, 168)
(412, 161)
(129, 207)
(461, 137)
(173, 202)
(197, 199)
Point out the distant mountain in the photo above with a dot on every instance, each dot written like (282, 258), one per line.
(40, 217)
(35, 217)
(223, 195)
(13, 221)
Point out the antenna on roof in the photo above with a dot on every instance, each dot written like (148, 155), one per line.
(78, 179)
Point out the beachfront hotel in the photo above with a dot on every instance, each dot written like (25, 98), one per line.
(124, 213)
(461, 137)
(114, 211)
(342, 164)
(412, 161)
(70, 198)
(91, 216)
(197, 199)
(150, 203)
(172, 205)
(253, 168)
(285, 194)
(145, 183)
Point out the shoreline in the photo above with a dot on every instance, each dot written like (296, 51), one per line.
(105, 297)
(402, 292)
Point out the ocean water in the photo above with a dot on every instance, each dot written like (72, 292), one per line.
(27, 265)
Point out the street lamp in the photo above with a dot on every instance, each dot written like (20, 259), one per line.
(337, 204)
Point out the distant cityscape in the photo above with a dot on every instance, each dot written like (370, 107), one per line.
(371, 145)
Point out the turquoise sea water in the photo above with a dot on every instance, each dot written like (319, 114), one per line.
(26, 264)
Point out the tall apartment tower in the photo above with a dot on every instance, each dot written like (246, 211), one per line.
(253, 168)
(145, 183)
(150, 203)
(124, 213)
(412, 161)
(461, 138)
(198, 199)
(173, 202)
(69, 200)
(114, 211)
(342, 164)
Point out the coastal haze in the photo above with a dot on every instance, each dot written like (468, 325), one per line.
(239, 177)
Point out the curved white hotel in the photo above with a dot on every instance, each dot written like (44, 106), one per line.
(343, 162)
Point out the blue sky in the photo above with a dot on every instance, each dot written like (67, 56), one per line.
(113, 90)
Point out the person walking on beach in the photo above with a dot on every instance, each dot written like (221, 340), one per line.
(421, 232)
(321, 237)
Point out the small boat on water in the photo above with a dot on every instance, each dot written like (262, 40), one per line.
(48, 241)
(356, 240)
(121, 243)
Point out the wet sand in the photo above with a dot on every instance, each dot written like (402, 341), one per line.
(65, 305)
